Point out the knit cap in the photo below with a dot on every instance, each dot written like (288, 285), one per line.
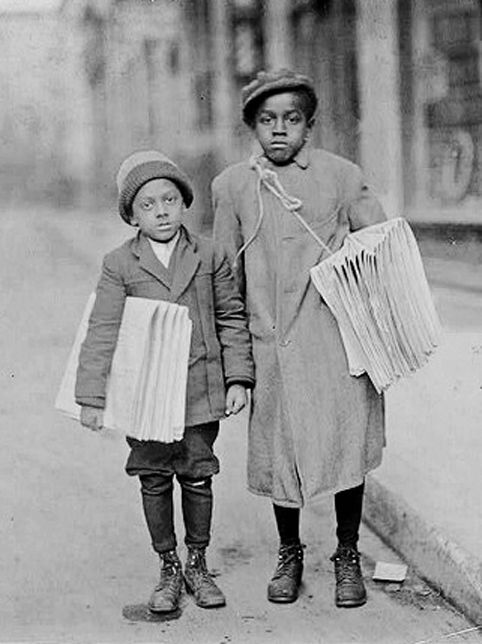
(141, 167)
(268, 83)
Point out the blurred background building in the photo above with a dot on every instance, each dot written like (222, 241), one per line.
(85, 82)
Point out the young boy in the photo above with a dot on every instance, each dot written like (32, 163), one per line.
(166, 262)
(314, 429)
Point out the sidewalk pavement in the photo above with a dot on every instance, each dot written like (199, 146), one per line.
(424, 501)
(425, 498)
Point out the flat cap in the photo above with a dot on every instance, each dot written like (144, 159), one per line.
(268, 83)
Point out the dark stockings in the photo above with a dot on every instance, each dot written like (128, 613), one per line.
(288, 524)
(348, 510)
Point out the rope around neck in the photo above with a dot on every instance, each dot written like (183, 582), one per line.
(270, 180)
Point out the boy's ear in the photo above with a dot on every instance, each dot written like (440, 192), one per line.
(310, 123)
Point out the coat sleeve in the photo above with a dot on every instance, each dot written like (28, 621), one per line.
(227, 228)
(98, 348)
(361, 206)
(231, 324)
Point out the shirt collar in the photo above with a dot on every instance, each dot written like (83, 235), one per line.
(167, 245)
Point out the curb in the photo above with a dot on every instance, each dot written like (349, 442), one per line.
(456, 285)
(441, 562)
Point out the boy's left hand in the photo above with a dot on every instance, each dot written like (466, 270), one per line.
(236, 399)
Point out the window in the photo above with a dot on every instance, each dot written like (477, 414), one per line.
(247, 38)
(454, 119)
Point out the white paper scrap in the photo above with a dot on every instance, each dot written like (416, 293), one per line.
(389, 572)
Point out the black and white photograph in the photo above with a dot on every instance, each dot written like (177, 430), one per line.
(241, 331)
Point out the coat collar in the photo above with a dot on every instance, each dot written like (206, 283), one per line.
(148, 260)
(185, 257)
(186, 263)
(302, 159)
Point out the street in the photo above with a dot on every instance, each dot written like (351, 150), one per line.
(75, 551)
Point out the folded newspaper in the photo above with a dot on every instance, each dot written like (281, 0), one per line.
(376, 288)
(146, 388)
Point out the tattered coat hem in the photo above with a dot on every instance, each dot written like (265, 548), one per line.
(319, 496)
(285, 504)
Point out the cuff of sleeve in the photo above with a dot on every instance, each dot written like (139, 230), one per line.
(248, 383)
(91, 401)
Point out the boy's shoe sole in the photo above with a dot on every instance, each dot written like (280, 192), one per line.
(159, 611)
(282, 600)
(213, 603)
(351, 603)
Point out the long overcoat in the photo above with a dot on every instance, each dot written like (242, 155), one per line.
(314, 428)
(200, 278)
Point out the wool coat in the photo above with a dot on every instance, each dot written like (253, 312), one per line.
(197, 277)
(314, 428)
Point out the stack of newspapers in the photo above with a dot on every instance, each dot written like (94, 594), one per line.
(376, 288)
(146, 387)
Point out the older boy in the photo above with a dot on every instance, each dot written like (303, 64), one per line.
(164, 261)
(314, 429)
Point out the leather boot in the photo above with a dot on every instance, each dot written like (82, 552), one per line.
(199, 582)
(165, 597)
(284, 585)
(350, 589)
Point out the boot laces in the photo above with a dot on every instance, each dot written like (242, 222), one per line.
(289, 558)
(196, 563)
(347, 565)
(170, 569)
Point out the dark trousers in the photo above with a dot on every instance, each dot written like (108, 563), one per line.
(197, 504)
(193, 463)
(348, 511)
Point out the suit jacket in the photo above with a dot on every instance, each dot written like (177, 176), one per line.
(198, 277)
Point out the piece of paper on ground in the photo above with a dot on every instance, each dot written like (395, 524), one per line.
(389, 572)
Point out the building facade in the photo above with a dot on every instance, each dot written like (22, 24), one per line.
(29, 123)
(400, 87)
(399, 83)
(441, 91)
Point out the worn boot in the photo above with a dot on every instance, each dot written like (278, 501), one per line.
(165, 597)
(199, 582)
(284, 585)
(350, 589)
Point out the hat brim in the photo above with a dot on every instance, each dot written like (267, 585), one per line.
(277, 86)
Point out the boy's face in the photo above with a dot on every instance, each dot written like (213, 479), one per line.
(157, 209)
(281, 126)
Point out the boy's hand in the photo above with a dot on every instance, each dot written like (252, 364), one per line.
(92, 417)
(236, 399)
